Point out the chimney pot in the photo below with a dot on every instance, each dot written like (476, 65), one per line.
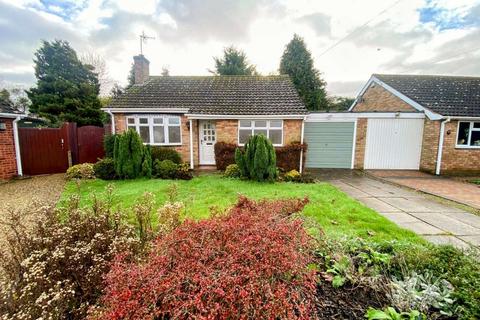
(141, 68)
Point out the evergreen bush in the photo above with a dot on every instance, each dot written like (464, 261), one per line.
(105, 169)
(128, 155)
(163, 153)
(109, 145)
(258, 161)
(147, 162)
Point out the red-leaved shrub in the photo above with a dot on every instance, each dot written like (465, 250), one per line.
(249, 264)
(224, 154)
(288, 157)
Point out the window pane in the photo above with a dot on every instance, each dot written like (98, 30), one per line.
(131, 120)
(158, 120)
(476, 125)
(260, 124)
(145, 134)
(173, 120)
(158, 134)
(275, 123)
(245, 123)
(131, 127)
(243, 136)
(463, 131)
(475, 139)
(174, 134)
(143, 120)
(276, 136)
(260, 131)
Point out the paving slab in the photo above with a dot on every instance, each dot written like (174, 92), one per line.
(378, 205)
(422, 228)
(465, 217)
(400, 217)
(451, 225)
(451, 240)
(407, 205)
(475, 240)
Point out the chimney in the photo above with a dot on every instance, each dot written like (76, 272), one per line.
(141, 68)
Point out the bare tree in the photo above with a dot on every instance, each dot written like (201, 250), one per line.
(100, 68)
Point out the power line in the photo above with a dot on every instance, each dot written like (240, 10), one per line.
(359, 28)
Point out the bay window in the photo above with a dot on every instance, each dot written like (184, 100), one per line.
(468, 135)
(157, 129)
(272, 129)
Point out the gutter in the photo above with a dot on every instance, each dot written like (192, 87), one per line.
(440, 145)
(301, 142)
(17, 146)
(109, 111)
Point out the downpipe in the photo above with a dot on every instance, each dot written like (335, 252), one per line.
(440, 145)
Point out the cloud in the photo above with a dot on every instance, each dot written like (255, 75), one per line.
(319, 22)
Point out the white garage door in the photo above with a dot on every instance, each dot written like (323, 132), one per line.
(393, 144)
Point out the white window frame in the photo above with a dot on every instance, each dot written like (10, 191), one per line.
(466, 146)
(150, 124)
(252, 128)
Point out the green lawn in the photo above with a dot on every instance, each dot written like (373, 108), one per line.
(336, 213)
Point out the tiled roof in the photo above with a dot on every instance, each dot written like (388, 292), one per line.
(7, 108)
(219, 95)
(445, 95)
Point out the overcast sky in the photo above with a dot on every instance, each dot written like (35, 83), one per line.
(349, 39)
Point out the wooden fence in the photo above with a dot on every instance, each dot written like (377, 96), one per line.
(53, 150)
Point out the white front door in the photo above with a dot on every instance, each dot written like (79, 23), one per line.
(207, 138)
(394, 144)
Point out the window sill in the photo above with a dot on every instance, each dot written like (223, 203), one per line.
(467, 147)
(164, 144)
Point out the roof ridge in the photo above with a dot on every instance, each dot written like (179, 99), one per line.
(426, 75)
(223, 76)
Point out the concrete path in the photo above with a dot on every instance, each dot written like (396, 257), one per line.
(438, 223)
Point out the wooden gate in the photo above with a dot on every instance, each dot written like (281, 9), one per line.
(52, 150)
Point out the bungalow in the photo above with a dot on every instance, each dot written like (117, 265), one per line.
(10, 162)
(192, 113)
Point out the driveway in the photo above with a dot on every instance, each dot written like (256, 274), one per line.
(436, 222)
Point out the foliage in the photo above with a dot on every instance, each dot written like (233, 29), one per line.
(232, 171)
(128, 155)
(131, 77)
(224, 154)
(67, 89)
(258, 162)
(288, 157)
(422, 292)
(169, 216)
(297, 62)
(105, 169)
(80, 171)
(292, 175)
(165, 169)
(143, 212)
(165, 153)
(54, 267)
(391, 314)
(109, 144)
(184, 172)
(339, 103)
(147, 162)
(249, 264)
(233, 62)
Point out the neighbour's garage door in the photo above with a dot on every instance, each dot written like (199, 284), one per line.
(393, 144)
(330, 144)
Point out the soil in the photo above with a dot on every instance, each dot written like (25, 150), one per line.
(347, 302)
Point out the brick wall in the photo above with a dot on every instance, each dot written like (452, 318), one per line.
(378, 99)
(227, 131)
(431, 134)
(8, 164)
(360, 141)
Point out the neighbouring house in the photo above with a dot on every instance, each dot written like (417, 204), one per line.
(415, 122)
(10, 162)
(192, 113)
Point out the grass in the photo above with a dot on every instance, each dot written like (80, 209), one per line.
(335, 212)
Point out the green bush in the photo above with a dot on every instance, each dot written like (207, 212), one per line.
(258, 162)
(295, 176)
(184, 172)
(105, 169)
(163, 153)
(165, 169)
(232, 171)
(109, 145)
(147, 162)
(128, 155)
(80, 171)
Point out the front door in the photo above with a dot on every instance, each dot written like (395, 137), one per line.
(208, 138)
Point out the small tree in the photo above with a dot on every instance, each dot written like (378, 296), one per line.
(233, 62)
(129, 155)
(258, 161)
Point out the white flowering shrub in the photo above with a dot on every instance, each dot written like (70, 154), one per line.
(54, 268)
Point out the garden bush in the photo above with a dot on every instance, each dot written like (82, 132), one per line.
(232, 171)
(288, 157)
(165, 169)
(224, 154)
(165, 153)
(109, 145)
(105, 169)
(80, 171)
(128, 155)
(249, 264)
(258, 161)
(147, 162)
(184, 172)
(295, 176)
(53, 268)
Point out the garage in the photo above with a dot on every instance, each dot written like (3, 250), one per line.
(393, 144)
(330, 143)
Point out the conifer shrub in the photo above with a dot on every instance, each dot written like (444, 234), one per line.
(251, 263)
(109, 144)
(128, 155)
(258, 161)
(147, 162)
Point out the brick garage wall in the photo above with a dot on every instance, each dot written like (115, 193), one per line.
(380, 100)
(360, 141)
(8, 164)
(431, 135)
